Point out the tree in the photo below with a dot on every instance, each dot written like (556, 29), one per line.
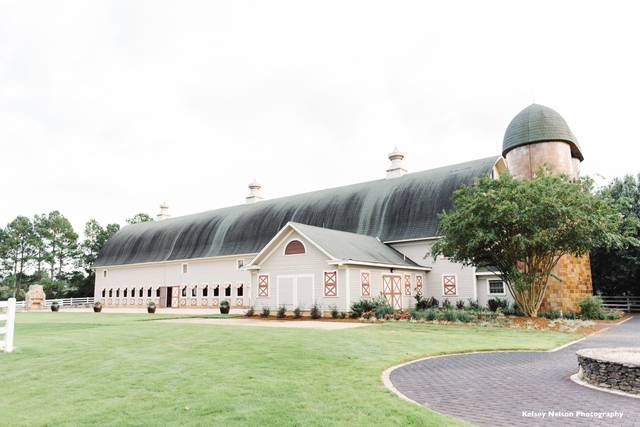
(139, 217)
(61, 243)
(19, 242)
(95, 238)
(41, 229)
(520, 229)
(616, 271)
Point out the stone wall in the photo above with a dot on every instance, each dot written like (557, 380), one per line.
(611, 375)
(575, 285)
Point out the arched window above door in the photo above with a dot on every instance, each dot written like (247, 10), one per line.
(294, 247)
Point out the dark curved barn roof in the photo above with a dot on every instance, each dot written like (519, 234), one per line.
(538, 123)
(390, 209)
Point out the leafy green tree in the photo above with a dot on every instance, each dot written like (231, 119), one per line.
(95, 238)
(61, 243)
(19, 243)
(41, 229)
(616, 271)
(520, 229)
(139, 217)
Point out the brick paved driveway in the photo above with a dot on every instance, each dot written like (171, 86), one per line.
(493, 389)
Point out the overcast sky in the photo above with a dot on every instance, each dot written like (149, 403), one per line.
(108, 108)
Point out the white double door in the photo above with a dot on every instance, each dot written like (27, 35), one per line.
(295, 291)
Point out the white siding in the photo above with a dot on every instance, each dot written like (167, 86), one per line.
(420, 253)
(215, 271)
(483, 291)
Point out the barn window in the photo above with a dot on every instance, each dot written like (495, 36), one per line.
(227, 291)
(158, 292)
(330, 283)
(496, 287)
(419, 283)
(140, 292)
(110, 292)
(149, 292)
(104, 293)
(449, 285)
(104, 273)
(205, 291)
(294, 247)
(184, 291)
(118, 293)
(185, 268)
(407, 284)
(216, 291)
(365, 284)
(263, 285)
(124, 294)
(240, 291)
(194, 291)
(240, 263)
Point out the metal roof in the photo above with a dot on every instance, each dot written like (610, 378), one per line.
(390, 209)
(538, 123)
(342, 245)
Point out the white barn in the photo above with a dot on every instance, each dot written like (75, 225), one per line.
(331, 247)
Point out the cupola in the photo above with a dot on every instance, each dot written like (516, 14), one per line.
(396, 169)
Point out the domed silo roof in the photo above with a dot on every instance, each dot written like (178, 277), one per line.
(538, 123)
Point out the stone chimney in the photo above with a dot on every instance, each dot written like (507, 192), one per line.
(164, 212)
(396, 169)
(255, 193)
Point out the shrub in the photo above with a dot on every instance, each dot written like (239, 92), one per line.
(446, 304)
(612, 315)
(450, 315)
(359, 307)
(513, 310)
(473, 304)
(334, 312)
(266, 311)
(591, 308)
(343, 315)
(382, 309)
(367, 314)
(425, 303)
(460, 304)
(315, 311)
(496, 303)
(250, 312)
(297, 313)
(430, 314)
(281, 313)
(571, 315)
(551, 314)
(463, 316)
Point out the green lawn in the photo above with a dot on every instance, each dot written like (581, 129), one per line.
(116, 369)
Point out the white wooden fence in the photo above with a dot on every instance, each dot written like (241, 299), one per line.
(64, 302)
(9, 320)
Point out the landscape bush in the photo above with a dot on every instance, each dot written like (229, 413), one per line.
(460, 304)
(297, 313)
(334, 312)
(495, 303)
(591, 308)
(425, 303)
(282, 312)
(359, 307)
(382, 309)
(473, 304)
(446, 304)
(266, 311)
(250, 312)
(316, 311)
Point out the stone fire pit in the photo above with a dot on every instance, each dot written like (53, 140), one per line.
(611, 368)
